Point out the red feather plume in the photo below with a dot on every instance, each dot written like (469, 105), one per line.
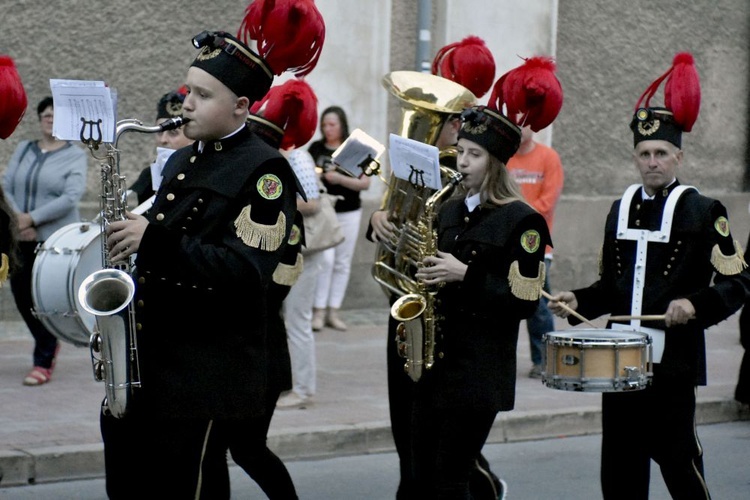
(289, 33)
(12, 97)
(531, 90)
(468, 63)
(682, 92)
(293, 106)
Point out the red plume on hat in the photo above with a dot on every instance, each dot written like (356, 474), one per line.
(289, 33)
(682, 92)
(293, 106)
(12, 97)
(532, 90)
(468, 63)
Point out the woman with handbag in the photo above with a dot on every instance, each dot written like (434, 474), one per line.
(334, 277)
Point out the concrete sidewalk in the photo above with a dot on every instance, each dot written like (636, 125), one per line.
(51, 433)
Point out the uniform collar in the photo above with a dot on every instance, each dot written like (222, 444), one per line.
(226, 141)
(472, 202)
(661, 193)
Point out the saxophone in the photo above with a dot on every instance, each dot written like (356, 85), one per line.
(415, 312)
(108, 293)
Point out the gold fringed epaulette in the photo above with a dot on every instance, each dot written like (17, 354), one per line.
(287, 275)
(728, 265)
(262, 236)
(4, 267)
(526, 288)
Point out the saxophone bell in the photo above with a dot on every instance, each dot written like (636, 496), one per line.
(107, 294)
(410, 335)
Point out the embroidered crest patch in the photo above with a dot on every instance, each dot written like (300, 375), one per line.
(530, 240)
(647, 129)
(475, 129)
(269, 187)
(722, 226)
(174, 108)
(206, 53)
(294, 235)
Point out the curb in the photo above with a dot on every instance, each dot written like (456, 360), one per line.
(65, 463)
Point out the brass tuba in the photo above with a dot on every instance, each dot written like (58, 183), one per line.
(427, 101)
(108, 293)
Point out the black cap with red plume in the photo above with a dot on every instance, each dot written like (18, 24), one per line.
(468, 63)
(170, 104)
(12, 97)
(289, 36)
(532, 95)
(287, 116)
(682, 101)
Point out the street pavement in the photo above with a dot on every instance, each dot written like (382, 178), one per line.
(51, 433)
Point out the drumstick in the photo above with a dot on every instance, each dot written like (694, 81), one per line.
(652, 317)
(571, 311)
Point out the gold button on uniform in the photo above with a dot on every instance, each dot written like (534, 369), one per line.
(466, 219)
(170, 196)
(192, 159)
(159, 216)
(141, 280)
(180, 177)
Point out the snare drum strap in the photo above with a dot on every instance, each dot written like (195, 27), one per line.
(643, 237)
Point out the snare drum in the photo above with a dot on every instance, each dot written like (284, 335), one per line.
(597, 360)
(63, 261)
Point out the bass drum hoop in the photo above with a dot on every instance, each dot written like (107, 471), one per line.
(62, 262)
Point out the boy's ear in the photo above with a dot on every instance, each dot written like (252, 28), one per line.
(243, 104)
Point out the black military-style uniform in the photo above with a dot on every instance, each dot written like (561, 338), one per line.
(658, 422)
(474, 373)
(402, 394)
(217, 232)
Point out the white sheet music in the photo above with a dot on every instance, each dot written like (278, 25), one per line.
(415, 161)
(162, 155)
(79, 107)
(352, 155)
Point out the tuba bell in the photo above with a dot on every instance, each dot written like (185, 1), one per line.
(427, 101)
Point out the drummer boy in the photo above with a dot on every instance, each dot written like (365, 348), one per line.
(663, 244)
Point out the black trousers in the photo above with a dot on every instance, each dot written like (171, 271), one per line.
(163, 458)
(654, 423)
(447, 444)
(45, 344)
(417, 463)
(247, 442)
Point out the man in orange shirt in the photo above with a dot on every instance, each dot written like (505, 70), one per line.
(538, 171)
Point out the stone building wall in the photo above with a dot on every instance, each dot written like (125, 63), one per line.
(608, 52)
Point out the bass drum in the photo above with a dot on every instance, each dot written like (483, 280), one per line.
(62, 262)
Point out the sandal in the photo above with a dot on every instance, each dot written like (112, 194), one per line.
(38, 376)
